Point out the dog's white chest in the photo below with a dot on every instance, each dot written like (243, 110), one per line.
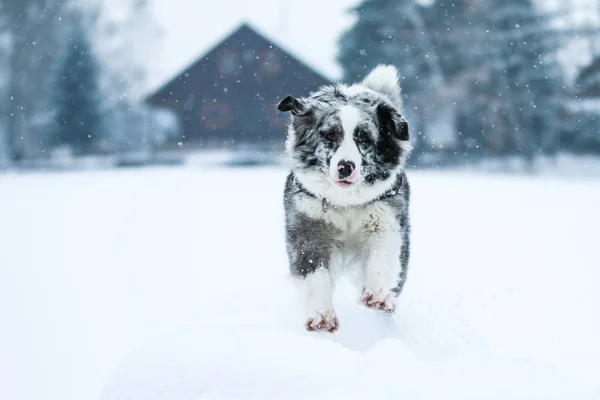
(351, 222)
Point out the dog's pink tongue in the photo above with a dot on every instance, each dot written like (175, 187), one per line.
(343, 184)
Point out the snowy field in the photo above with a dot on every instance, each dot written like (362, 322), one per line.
(171, 284)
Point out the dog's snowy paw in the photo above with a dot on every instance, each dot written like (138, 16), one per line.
(378, 300)
(323, 321)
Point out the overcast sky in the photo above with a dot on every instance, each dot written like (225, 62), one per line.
(307, 28)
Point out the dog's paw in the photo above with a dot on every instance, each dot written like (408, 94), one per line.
(378, 300)
(323, 321)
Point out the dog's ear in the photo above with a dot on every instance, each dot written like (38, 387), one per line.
(391, 122)
(290, 103)
(384, 79)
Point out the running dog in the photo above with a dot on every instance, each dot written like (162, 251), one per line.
(346, 198)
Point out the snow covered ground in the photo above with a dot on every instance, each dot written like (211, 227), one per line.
(169, 284)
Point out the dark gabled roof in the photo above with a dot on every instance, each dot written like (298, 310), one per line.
(242, 30)
(588, 80)
(593, 68)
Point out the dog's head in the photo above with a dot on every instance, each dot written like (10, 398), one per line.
(349, 143)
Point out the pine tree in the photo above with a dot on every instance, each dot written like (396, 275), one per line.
(455, 27)
(4, 150)
(28, 29)
(77, 97)
(499, 58)
(458, 36)
(522, 56)
(394, 32)
(582, 131)
(391, 32)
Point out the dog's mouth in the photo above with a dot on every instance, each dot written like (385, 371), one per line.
(344, 183)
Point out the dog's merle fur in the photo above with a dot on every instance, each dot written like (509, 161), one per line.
(362, 221)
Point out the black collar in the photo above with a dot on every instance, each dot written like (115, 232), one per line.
(325, 204)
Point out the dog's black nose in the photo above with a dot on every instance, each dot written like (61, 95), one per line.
(345, 168)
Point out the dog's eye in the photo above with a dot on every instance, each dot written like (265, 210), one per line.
(331, 136)
(363, 137)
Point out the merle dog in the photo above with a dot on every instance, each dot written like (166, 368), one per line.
(346, 198)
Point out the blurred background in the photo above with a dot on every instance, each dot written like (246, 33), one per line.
(142, 253)
(135, 82)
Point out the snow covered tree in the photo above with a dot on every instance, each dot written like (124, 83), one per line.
(391, 32)
(394, 32)
(4, 153)
(458, 31)
(29, 28)
(583, 132)
(127, 37)
(77, 97)
(522, 55)
(452, 24)
(498, 59)
(32, 32)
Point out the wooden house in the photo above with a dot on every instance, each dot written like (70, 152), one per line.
(228, 97)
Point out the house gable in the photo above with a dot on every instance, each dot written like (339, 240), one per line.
(588, 81)
(229, 95)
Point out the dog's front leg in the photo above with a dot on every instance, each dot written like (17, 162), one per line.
(310, 247)
(319, 305)
(382, 270)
